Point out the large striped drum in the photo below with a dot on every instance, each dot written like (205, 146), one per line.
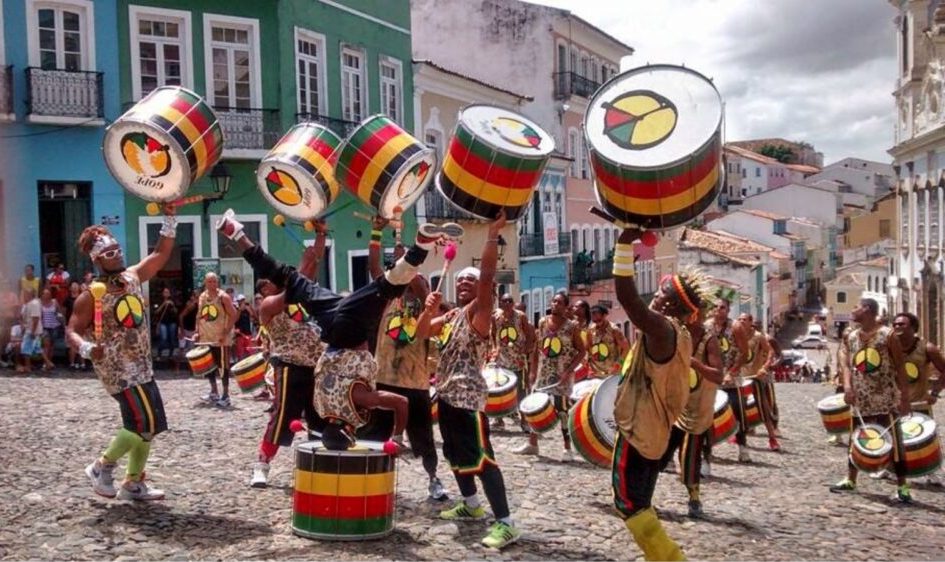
(591, 423)
(870, 448)
(297, 177)
(494, 161)
(250, 373)
(724, 424)
(343, 495)
(163, 144)
(655, 143)
(384, 166)
(836, 414)
(923, 451)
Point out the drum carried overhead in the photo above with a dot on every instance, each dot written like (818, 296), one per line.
(494, 161)
(654, 136)
(163, 144)
(384, 166)
(297, 177)
(503, 397)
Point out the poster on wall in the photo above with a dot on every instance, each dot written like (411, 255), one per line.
(550, 229)
(203, 266)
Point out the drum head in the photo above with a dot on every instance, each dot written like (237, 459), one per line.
(146, 160)
(916, 428)
(360, 449)
(534, 402)
(507, 131)
(833, 402)
(247, 362)
(498, 379)
(652, 116)
(197, 351)
(408, 184)
(871, 440)
(583, 388)
(602, 408)
(721, 400)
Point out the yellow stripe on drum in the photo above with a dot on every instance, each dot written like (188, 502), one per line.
(379, 162)
(480, 189)
(661, 206)
(319, 162)
(187, 127)
(346, 485)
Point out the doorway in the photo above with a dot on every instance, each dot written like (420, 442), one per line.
(178, 273)
(64, 212)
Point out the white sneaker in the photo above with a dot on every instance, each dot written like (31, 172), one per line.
(260, 477)
(437, 492)
(567, 456)
(706, 470)
(210, 398)
(102, 477)
(743, 455)
(139, 491)
(223, 402)
(526, 449)
(881, 475)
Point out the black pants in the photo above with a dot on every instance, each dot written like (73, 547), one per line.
(633, 478)
(294, 387)
(690, 455)
(737, 401)
(419, 425)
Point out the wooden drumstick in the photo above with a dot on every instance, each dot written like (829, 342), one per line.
(279, 220)
(336, 209)
(448, 256)
(393, 222)
(154, 208)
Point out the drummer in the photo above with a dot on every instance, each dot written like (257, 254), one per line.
(513, 341)
(754, 369)
(774, 358)
(559, 352)
(606, 343)
(294, 348)
(875, 385)
(723, 327)
(216, 317)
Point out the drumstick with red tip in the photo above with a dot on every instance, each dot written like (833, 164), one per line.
(448, 256)
(154, 208)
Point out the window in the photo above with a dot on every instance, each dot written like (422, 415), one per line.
(233, 61)
(744, 173)
(573, 140)
(757, 172)
(869, 283)
(353, 101)
(841, 297)
(603, 73)
(160, 49)
(585, 171)
(391, 89)
(61, 35)
(434, 139)
(310, 72)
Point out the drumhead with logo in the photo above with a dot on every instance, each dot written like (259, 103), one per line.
(507, 131)
(916, 428)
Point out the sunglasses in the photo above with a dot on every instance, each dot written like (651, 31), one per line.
(507, 300)
(111, 254)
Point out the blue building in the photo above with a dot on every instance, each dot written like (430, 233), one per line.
(58, 91)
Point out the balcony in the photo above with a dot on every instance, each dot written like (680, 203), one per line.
(585, 274)
(64, 96)
(437, 207)
(249, 128)
(531, 245)
(340, 127)
(569, 84)
(6, 92)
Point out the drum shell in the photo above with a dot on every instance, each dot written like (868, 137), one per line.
(752, 412)
(306, 154)
(724, 423)
(923, 451)
(870, 460)
(200, 360)
(542, 419)
(502, 400)
(250, 373)
(590, 439)
(182, 139)
(343, 495)
(836, 415)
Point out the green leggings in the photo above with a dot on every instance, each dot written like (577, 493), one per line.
(137, 448)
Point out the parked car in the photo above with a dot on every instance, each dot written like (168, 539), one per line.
(810, 342)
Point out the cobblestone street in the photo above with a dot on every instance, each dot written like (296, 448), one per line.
(776, 508)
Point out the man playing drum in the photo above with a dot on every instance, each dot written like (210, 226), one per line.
(774, 357)
(652, 394)
(513, 341)
(875, 385)
(606, 344)
(109, 325)
(216, 317)
(461, 392)
(723, 328)
(755, 369)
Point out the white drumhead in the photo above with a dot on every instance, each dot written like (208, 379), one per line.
(197, 352)
(251, 361)
(916, 427)
(602, 408)
(832, 402)
(870, 439)
(146, 160)
(583, 388)
(290, 190)
(721, 400)
(653, 116)
(498, 379)
(534, 402)
(507, 131)
(361, 448)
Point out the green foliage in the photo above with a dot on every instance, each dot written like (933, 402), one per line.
(781, 153)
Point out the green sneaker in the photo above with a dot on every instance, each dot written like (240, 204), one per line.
(845, 485)
(904, 494)
(501, 535)
(462, 511)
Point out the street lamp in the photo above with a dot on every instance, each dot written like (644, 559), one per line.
(502, 244)
(220, 176)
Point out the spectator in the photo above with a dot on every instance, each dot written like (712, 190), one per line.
(9, 316)
(187, 321)
(11, 351)
(58, 282)
(29, 281)
(165, 320)
(32, 313)
(244, 327)
(52, 322)
(75, 362)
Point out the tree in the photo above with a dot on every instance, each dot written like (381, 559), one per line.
(781, 153)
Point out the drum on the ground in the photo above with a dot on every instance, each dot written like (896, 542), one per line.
(494, 161)
(923, 451)
(250, 373)
(870, 448)
(297, 177)
(503, 396)
(163, 144)
(836, 414)
(654, 136)
(724, 424)
(752, 412)
(591, 423)
(343, 495)
(539, 411)
(200, 360)
(384, 166)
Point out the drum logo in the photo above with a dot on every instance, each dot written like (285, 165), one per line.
(296, 313)
(413, 179)
(508, 335)
(869, 439)
(694, 379)
(129, 311)
(516, 132)
(551, 347)
(600, 352)
(446, 332)
(867, 361)
(209, 313)
(724, 344)
(402, 328)
(147, 157)
(911, 429)
(912, 371)
(639, 119)
(285, 189)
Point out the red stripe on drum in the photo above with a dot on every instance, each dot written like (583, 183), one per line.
(343, 507)
(491, 172)
(665, 186)
(192, 113)
(355, 159)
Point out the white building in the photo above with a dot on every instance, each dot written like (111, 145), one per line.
(872, 179)
(794, 200)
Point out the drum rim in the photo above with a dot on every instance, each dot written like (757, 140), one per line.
(529, 122)
(202, 349)
(112, 131)
(522, 403)
(250, 360)
(410, 201)
(924, 421)
(887, 443)
(311, 448)
(283, 208)
(592, 409)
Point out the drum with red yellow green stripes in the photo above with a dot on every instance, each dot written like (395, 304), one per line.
(384, 166)
(250, 373)
(494, 161)
(654, 136)
(343, 495)
(297, 177)
(591, 423)
(163, 144)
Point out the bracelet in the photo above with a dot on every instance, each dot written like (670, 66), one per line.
(623, 261)
(169, 228)
(85, 349)
(376, 234)
(496, 240)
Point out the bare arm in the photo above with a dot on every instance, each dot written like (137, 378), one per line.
(481, 315)
(231, 313)
(312, 255)
(369, 399)
(902, 379)
(375, 251)
(578, 342)
(935, 357)
(776, 353)
(430, 322)
(622, 344)
(83, 312)
(156, 260)
(846, 376)
(270, 307)
(659, 339)
(712, 370)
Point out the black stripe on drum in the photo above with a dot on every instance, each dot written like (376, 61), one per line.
(474, 205)
(182, 141)
(328, 462)
(394, 166)
(669, 220)
(302, 163)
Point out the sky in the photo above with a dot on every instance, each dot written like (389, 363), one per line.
(820, 71)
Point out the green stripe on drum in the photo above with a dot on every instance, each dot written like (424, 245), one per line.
(663, 174)
(329, 463)
(663, 221)
(498, 158)
(367, 130)
(396, 163)
(473, 205)
(340, 528)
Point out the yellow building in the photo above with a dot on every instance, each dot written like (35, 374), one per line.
(863, 229)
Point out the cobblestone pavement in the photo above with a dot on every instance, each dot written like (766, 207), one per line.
(776, 508)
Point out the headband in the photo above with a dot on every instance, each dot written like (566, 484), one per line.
(469, 272)
(101, 242)
(681, 288)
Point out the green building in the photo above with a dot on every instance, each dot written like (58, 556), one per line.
(265, 65)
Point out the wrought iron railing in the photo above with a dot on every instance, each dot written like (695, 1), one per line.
(340, 127)
(6, 89)
(584, 273)
(64, 93)
(573, 84)
(249, 128)
(437, 207)
(534, 244)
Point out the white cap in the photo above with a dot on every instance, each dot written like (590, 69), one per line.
(240, 297)
(469, 272)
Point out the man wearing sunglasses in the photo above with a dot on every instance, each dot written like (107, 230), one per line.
(109, 326)
(513, 339)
